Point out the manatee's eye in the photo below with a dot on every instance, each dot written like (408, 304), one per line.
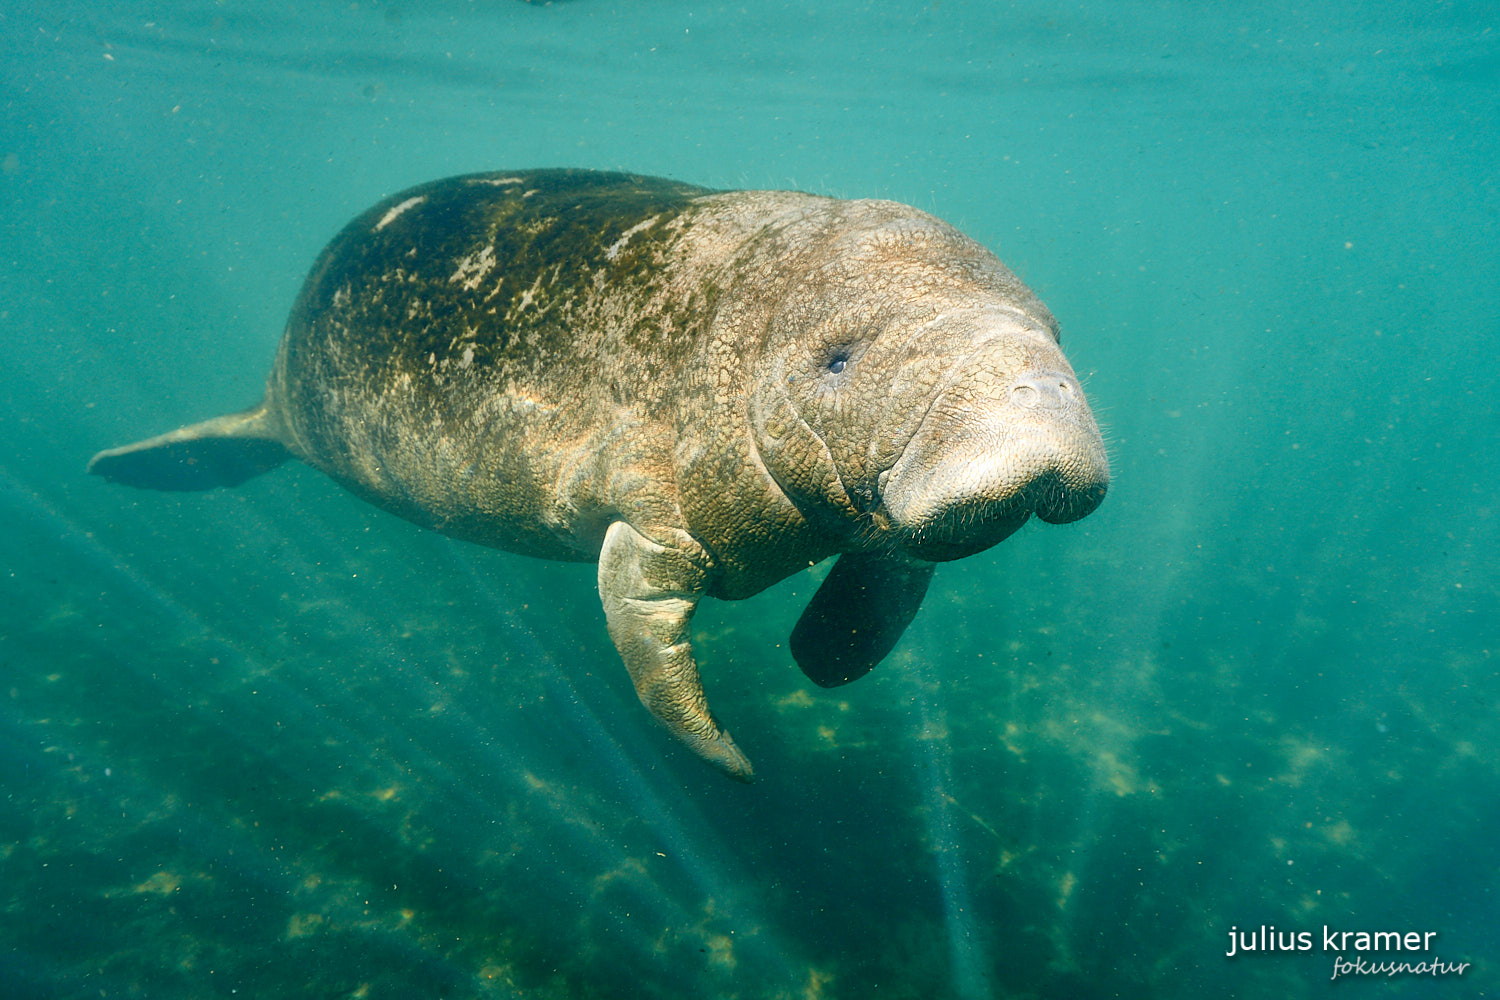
(838, 362)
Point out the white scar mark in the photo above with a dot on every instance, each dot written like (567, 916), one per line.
(619, 244)
(395, 213)
(473, 268)
(496, 181)
(526, 301)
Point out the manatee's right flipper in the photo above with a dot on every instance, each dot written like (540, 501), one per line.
(857, 615)
(650, 592)
(224, 451)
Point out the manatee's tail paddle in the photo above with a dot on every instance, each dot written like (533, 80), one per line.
(224, 451)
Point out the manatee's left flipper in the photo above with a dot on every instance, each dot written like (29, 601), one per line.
(857, 615)
(650, 592)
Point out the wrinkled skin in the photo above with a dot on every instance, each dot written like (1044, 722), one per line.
(705, 392)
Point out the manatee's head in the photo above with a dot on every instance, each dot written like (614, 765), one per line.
(922, 398)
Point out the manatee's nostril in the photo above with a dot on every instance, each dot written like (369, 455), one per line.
(1043, 391)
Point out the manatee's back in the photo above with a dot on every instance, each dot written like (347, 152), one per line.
(458, 341)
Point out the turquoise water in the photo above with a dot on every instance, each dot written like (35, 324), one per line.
(274, 742)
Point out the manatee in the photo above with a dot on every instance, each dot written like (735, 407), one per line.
(702, 391)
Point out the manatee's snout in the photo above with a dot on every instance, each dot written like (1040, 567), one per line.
(1069, 489)
(994, 450)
